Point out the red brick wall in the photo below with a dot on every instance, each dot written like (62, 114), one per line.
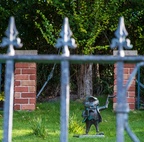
(25, 86)
(128, 68)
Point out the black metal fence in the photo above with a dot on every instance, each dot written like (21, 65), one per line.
(66, 41)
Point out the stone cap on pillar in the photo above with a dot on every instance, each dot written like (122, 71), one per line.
(26, 52)
(127, 52)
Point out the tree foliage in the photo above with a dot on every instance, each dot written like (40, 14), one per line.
(92, 22)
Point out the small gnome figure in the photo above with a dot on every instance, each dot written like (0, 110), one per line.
(91, 114)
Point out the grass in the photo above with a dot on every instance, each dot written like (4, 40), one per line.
(46, 119)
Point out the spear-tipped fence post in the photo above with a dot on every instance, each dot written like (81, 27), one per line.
(65, 41)
(10, 41)
(122, 107)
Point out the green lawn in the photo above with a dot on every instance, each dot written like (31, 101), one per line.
(49, 114)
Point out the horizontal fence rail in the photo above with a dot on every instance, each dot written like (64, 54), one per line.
(78, 59)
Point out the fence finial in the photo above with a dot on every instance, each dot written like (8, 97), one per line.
(120, 41)
(65, 39)
(11, 39)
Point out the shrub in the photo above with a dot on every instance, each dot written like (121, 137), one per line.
(75, 125)
(2, 96)
(39, 127)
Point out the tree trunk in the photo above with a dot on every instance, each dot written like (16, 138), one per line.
(97, 71)
(84, 81)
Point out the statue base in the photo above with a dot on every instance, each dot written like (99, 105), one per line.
(100, 135)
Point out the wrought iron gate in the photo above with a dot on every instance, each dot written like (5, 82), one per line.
(66, 41)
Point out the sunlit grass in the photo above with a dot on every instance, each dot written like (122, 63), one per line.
(50, 115)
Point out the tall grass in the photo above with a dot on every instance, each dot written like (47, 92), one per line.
(46, 120)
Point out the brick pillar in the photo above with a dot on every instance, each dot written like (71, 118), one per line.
(128, 68)
(25, 83)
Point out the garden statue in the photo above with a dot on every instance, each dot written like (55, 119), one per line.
(91, 114)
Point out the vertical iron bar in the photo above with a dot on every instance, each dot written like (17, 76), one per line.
(121, 101)
(122, 107)
(10, 41)
(64, 118)
(64, 42)
(64, 101)
(8, 104)
(138, 98)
